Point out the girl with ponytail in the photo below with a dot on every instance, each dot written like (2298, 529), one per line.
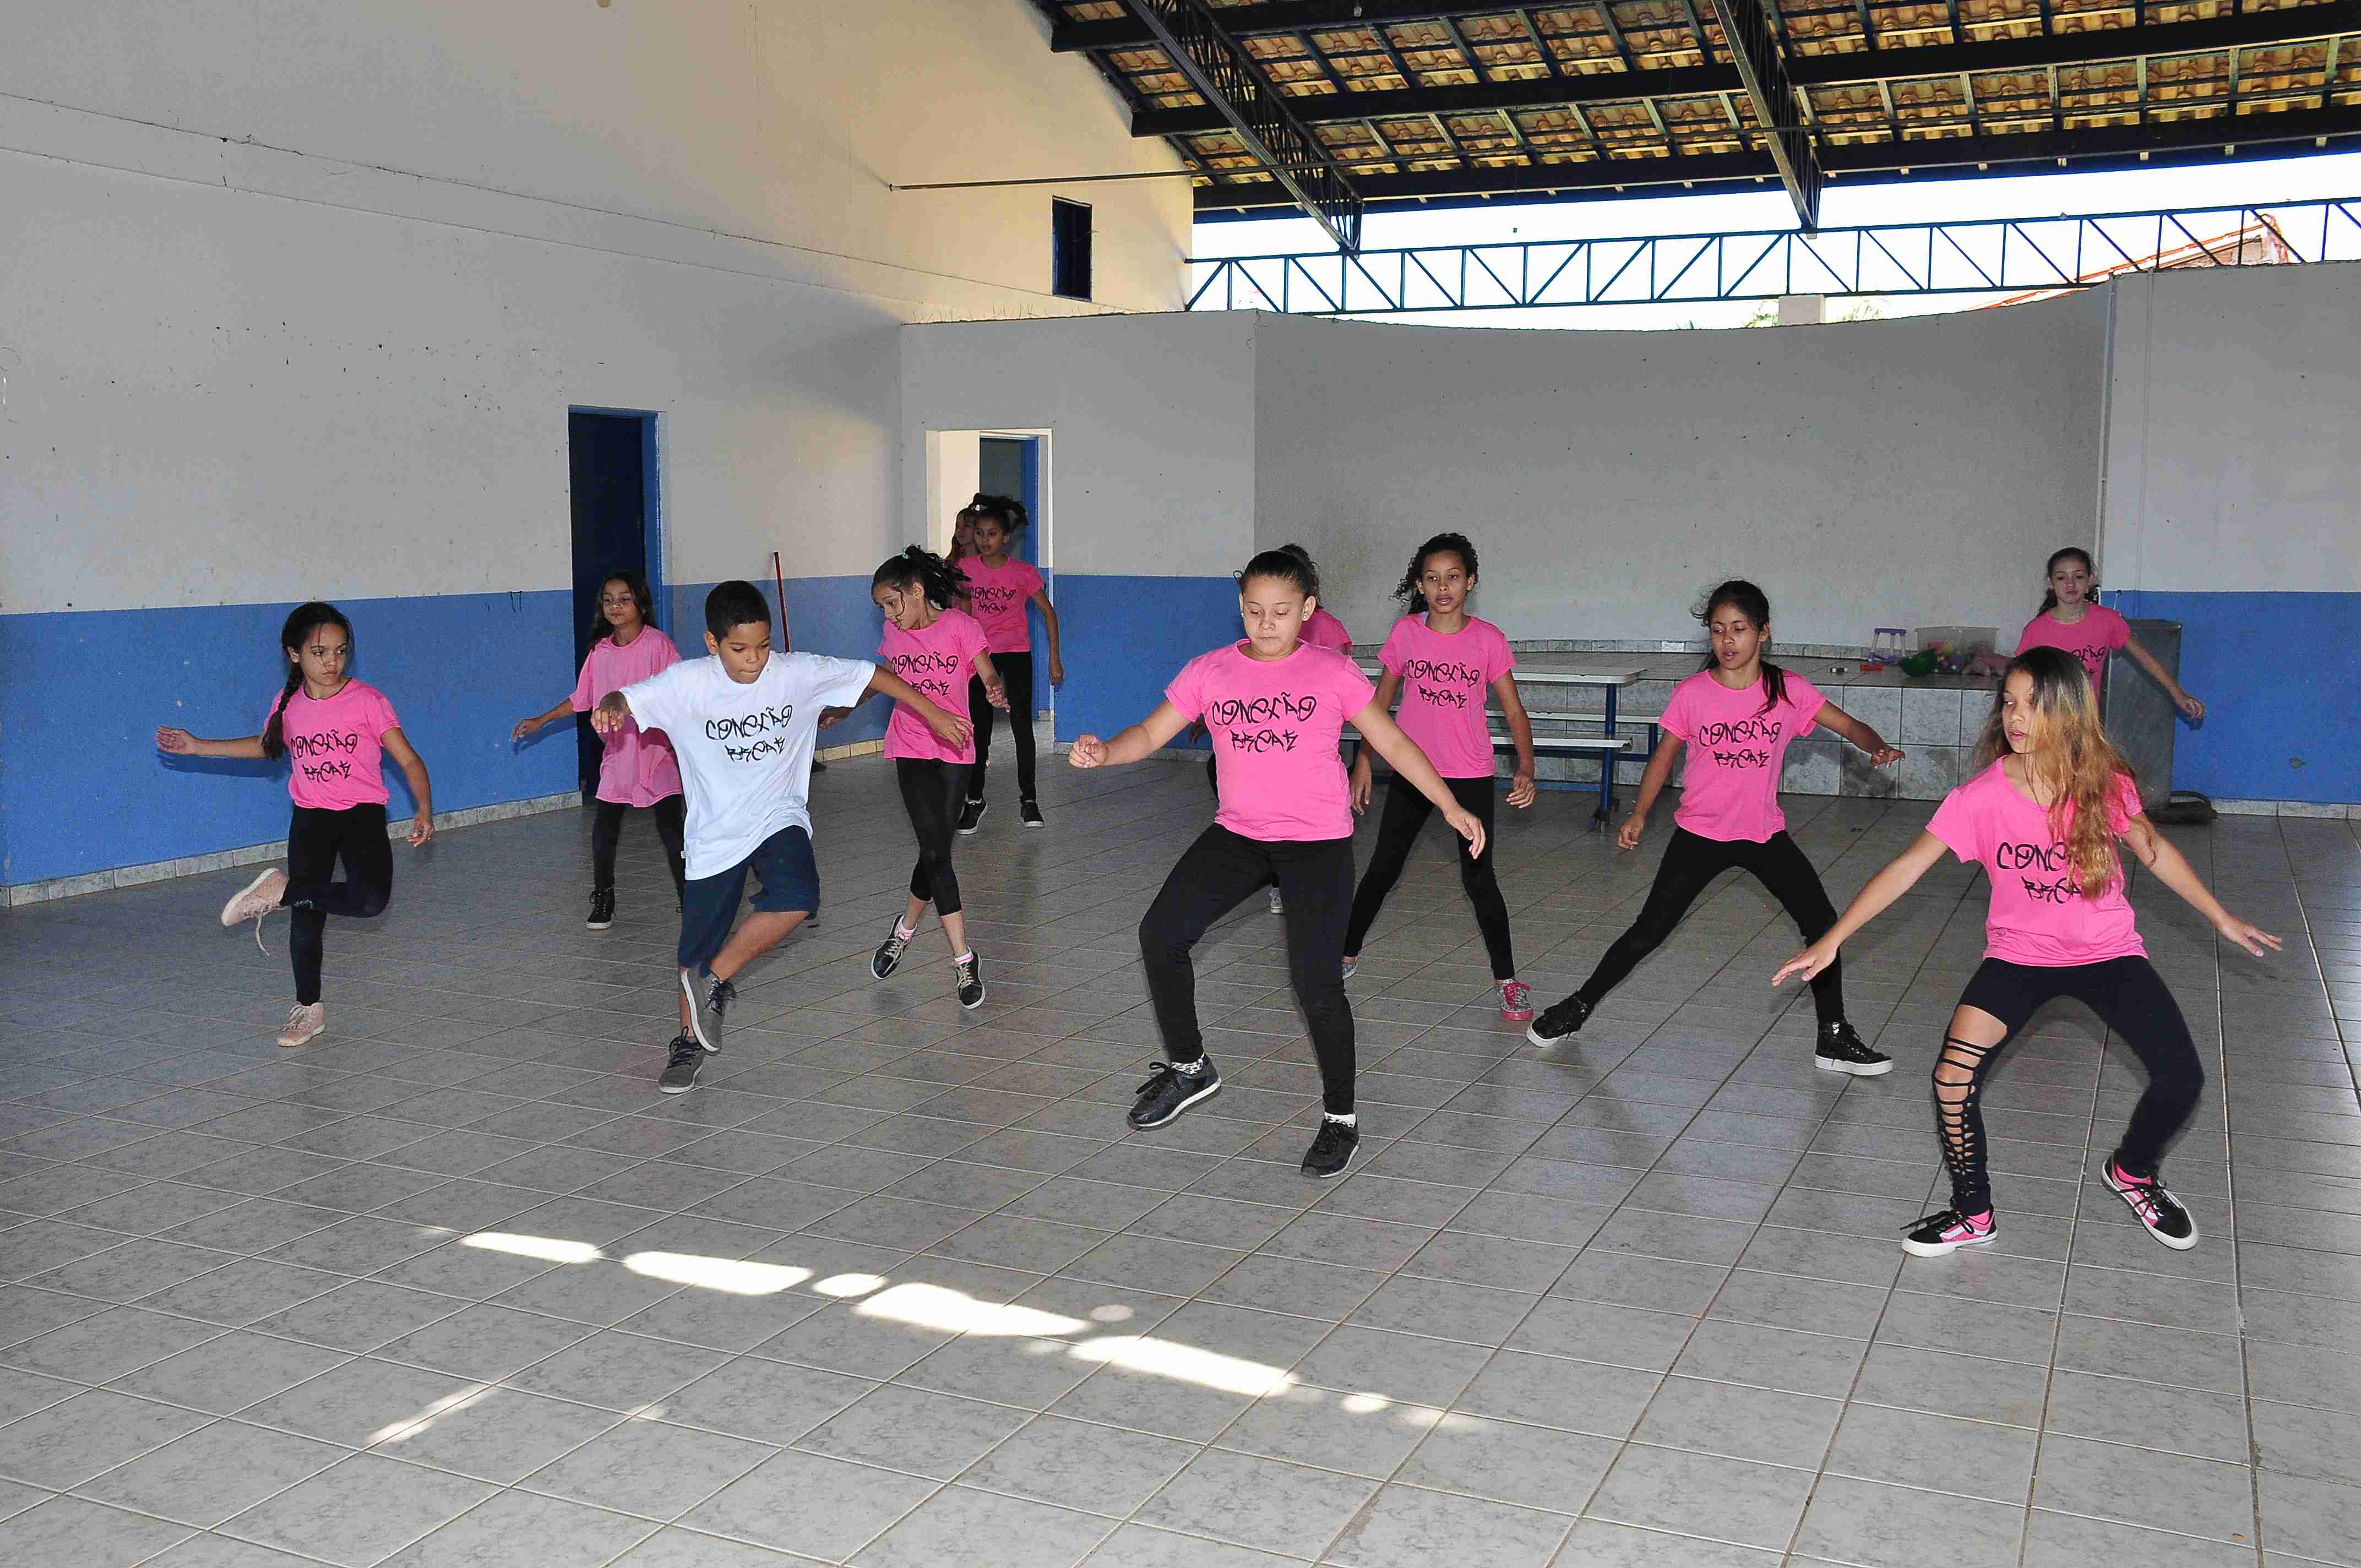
(2044, 817)
(636, 767)
(1000, 587)
(938, 649)
(335, 730)
(1737, 718)
(2071, 617)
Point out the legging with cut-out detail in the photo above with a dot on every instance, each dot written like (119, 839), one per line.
(2130, 998)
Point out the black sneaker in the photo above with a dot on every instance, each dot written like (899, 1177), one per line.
(971, 815)
(709, 1000)
(1947, 1230)
(1168, 1092)
(1331, 1149)
(888, 955)
(679, 1075)
(1029, 813)
(2156, 1209)
(602, 910)
(1843, 1050)
(1560, 1021)
(969, 970)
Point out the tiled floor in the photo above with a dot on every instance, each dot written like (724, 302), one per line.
(456, 1286)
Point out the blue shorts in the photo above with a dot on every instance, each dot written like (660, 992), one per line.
(782, 864)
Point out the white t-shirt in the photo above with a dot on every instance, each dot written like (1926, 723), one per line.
(745, 750)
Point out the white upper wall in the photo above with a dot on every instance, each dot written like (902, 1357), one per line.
(1904, 473)
(299, 294)
(2234, 457)
(1152, 460)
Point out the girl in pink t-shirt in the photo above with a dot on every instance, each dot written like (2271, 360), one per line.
(335, 732)
(1736, 718)
(2072, 620)
(1443, 664)
(999, 588)
(938, 650)
(637, 767)
(1276, 711)
(2043, 818)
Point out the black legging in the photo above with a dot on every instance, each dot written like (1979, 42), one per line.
(1405, 816)
(315, 841)
(1214, 876)
(2130, 998)
(607, 831)
(930, 793)
(1017, 675)
(1690, 862)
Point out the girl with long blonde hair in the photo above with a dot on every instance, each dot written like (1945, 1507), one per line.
(2050, 802)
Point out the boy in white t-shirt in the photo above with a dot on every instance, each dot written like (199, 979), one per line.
(742, 724)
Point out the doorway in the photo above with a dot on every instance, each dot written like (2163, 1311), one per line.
(611, 472)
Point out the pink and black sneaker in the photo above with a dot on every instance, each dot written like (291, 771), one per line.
(1516, 1002)
(2157, 1209)
(1939, 1234)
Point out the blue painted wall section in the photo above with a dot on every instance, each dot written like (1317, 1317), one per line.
(1127, 637)
(85, 789)
(2278, 673)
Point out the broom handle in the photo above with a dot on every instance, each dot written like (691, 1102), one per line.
(779, 578)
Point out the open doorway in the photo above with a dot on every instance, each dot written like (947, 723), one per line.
(960, 463)
(611, 471)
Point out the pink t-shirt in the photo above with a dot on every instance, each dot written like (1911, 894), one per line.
(1444, 678)
(335, 761)
(1274, 724)
(636, 767)
(2036, 915)
(1324, 631)
(2099, 633)
(938, 660)
(997, 596)
(1730, 791)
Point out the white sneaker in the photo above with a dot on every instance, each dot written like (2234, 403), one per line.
(304, 1024)
(256, 900)
(1276, 906)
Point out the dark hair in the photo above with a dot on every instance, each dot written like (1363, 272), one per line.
(1006, 510)
(642, 595)
(305, 619)
(1755, 606)
(1453, 543)
(1291, 564)
(2071, 552)
(734, 603)
(922, 568)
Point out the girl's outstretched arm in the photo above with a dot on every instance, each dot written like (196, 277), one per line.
(1900, 875)
(533, 721)
(1365, 781)
(1653, 779)
(413, 768)
(1832, 717)
(2148, 661)
(2162, 856)
(1152, 733)
(1521, 789)
(1378, 729)
(181, 743)
(1040, 601)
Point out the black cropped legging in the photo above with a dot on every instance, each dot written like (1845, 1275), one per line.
(1690, 862)
(607, 832)
(1016, 673)
(2130, 998)
(1405, 816)
(930, 793)
(316, 840)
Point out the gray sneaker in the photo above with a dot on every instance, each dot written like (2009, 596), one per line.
(679, 1075)
(709, 1002)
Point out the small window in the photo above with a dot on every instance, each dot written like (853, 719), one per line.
(1070, 249)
